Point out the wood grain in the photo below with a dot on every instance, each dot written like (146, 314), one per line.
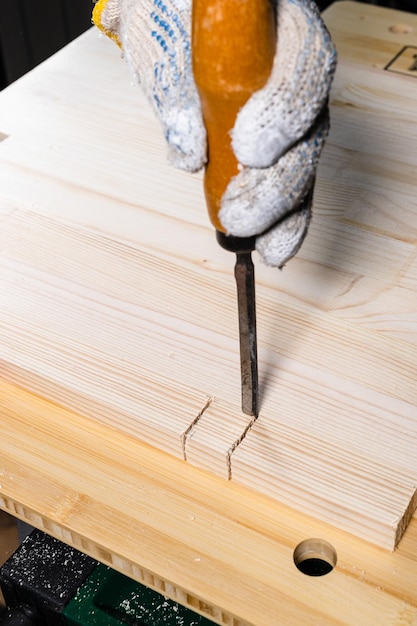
(116, 302)
(213, 545)
(361, 258)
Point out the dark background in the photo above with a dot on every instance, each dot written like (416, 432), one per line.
(32, 30)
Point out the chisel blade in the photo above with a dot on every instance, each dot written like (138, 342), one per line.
(245, 284)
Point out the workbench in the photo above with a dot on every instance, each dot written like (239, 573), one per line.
(220, 547)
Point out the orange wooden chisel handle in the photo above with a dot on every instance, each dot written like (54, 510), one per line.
(233, 44)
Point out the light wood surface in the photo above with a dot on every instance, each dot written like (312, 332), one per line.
(216, 546)
(116, 302)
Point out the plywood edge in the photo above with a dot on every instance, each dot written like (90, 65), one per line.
(81, 542)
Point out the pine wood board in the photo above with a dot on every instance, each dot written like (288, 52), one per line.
(214, 545)
(117, 303)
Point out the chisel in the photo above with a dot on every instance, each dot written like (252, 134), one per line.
(233, 47)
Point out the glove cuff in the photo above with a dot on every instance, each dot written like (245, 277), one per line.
(106, 22)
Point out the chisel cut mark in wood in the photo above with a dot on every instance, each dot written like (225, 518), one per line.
(236, 444)
(402, 523)
(188, 432)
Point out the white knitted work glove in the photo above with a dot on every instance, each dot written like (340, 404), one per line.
(278, 134)
(156, 41)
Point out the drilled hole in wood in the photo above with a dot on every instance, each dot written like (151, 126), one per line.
(400, 29)
(315, 557)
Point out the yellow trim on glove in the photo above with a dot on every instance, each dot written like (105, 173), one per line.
(99, 7)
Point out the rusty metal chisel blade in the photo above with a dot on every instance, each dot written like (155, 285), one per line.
(246, 301)
(245, 283)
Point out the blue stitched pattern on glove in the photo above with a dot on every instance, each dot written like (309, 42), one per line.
(279, 133)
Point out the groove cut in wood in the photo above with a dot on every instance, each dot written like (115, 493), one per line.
(117, 303)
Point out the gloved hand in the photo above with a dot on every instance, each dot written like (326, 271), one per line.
(279, 133)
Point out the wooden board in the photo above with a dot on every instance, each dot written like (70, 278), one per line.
(339, 433)
(116, 302)
(215, 546)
